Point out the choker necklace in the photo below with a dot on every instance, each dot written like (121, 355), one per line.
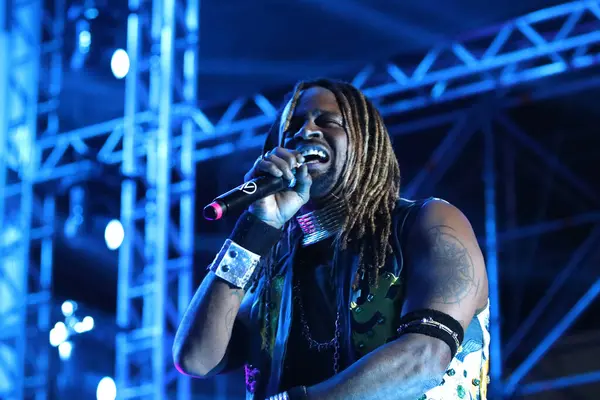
(321, 224)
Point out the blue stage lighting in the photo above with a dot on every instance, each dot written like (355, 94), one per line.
(64, 350)
(114, 234)
(119, 63)
(68, 308)
(85, 41)
(91, 13)
(107, 390)
(59, 334)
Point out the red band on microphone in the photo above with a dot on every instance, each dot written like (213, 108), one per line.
(213, 211)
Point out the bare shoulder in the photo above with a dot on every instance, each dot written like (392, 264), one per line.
(437, 212)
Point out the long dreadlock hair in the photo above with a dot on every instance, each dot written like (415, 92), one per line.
(368, 187)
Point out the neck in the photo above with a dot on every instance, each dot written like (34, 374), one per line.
(320, 223)
(321, 203)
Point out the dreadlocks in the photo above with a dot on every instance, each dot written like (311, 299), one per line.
(370, 183)
(369, 188)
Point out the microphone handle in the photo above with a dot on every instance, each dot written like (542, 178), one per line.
(244, 195)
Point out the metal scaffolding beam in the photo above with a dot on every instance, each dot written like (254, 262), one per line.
(553, 335)
(155, 287)
(30, 50)
(545, 43)
(491, 252)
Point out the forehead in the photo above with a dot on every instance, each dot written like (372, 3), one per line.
(313, 100)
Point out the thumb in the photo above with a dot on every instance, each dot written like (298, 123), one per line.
(303, 183)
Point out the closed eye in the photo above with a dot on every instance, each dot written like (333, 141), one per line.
(329, 122)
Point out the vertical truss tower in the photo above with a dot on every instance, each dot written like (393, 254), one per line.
(155, 260)
(31, 34)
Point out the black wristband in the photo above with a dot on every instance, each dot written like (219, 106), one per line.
(255, 235)
(298, 393)
(435, 324)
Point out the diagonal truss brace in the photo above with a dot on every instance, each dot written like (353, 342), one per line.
(516, 52)
(584, 302)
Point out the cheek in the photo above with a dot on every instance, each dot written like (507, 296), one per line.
(345, 151)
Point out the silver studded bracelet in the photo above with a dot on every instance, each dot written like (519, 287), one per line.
(235, 264)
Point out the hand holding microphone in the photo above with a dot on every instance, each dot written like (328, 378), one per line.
(270, 173)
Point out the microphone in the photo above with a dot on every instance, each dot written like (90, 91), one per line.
(244, 195)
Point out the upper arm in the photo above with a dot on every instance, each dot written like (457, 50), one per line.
(445, 266)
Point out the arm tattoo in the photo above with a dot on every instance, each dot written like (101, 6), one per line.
(452, 266)
(229, 320)
(231, 313)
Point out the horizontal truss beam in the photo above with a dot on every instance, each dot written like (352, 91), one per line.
(516, 52)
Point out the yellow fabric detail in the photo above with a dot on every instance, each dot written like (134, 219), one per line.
(384, 327)
(276, 293)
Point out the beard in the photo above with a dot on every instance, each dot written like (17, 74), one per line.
(323, 184)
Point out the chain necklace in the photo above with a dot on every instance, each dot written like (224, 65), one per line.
(333, 343)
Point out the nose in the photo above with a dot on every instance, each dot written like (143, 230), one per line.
(308, 132)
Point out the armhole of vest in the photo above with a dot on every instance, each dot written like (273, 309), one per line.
(402, 223)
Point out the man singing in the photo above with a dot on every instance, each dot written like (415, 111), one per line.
(339, 288)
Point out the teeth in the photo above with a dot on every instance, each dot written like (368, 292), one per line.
(314, 152)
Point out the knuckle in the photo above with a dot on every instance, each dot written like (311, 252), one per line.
(289, 158)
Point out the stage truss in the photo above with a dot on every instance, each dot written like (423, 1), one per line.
(31, 39)
(163, 134)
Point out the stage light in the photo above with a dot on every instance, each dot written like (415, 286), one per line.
(114, 234)
(91, 13)
(74, 224)
(85, 40)
(107, 390)
(64, 350)
(119, 63)
(59, 334)
(68, 308)
(88, 324)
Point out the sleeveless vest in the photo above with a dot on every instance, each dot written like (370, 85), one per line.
(371, 319)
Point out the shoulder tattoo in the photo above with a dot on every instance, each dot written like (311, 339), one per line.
(451, 265)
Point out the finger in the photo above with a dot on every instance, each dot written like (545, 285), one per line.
(283, 166)
(289, 156)
(303, 183)
(268, 167)
(252, 173)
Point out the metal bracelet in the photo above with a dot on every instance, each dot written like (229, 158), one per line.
(235, 264)
(430, 322)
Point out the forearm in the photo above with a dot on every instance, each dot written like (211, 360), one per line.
(203, 336)
(205, 330)
(403, 369)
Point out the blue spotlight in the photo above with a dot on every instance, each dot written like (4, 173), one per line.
(85, 41)
(114, 234)
(119, 63)
(64, 350)
(68, 308)
(107, 390)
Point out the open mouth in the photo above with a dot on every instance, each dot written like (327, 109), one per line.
(314, 154)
